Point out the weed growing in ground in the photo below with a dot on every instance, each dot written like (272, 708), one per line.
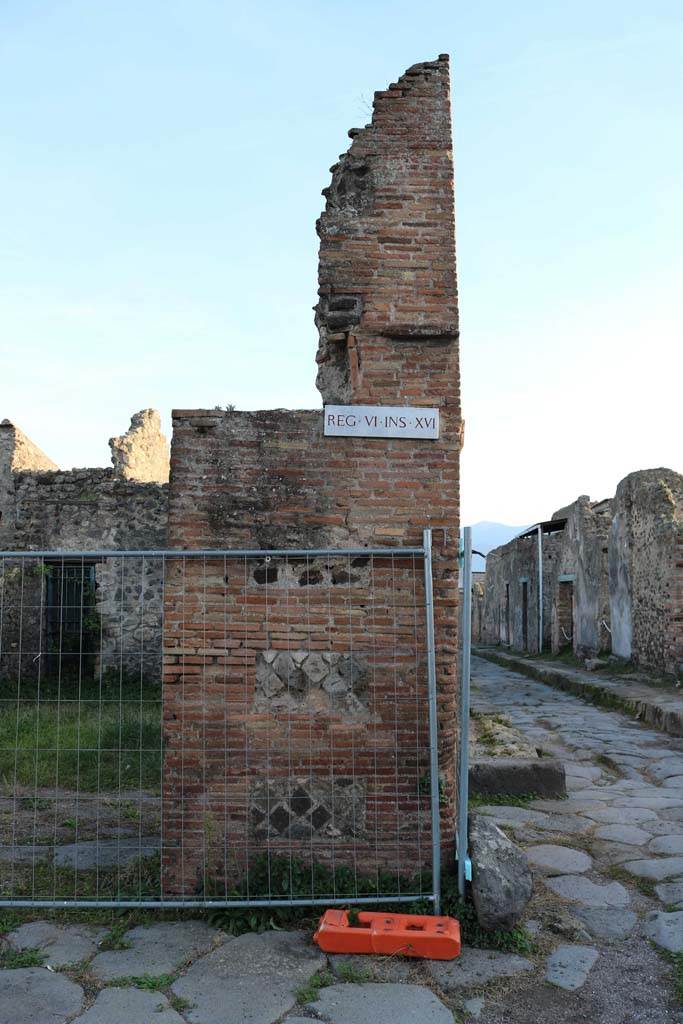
(308, 992)
(114, 939)
(354, 975)
(21, 958)
(504, 799)
(148, 982)
(619, 874)
(676, 961)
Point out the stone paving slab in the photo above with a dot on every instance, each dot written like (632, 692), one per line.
(159, 949)
(381, 1004)
(252, 978)
(569, 966)
(33, 995)
(655, 870)
(670, 892)
(621, 815)
(558, 860)
(62, 944)
(476, 967)
(130, 1006)
(671, 845)
(582, 890)
(629, 834)
(611, 923)
(666, 930)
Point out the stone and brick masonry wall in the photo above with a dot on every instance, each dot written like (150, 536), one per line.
(45, 508)
(387, 319)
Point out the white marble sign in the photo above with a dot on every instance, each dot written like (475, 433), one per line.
(381, 421)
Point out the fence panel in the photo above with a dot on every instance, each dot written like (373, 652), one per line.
(217, 728)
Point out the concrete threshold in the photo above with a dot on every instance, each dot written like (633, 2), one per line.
(658, 709)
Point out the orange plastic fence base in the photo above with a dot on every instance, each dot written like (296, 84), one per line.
(434, 938)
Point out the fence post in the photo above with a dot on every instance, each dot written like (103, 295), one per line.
(464, 753)
(433, 723)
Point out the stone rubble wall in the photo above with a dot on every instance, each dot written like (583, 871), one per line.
(48, 509)
(624, 559)
(645, 557)
(142, 453)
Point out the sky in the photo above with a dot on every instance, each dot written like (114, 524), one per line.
(160, 174)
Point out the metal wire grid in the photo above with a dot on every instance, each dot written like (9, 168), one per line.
(288, 757)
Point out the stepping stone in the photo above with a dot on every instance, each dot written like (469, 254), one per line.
(370, 968)
(671, 893)
(657, 870)
(256, 976)
(475, 967)
(607, 922)
(130, 1006)
(159, 949)
(379, 1004)
(666, 930)
(62, 944)
(629, 834)
(558, 860)
(582, 890)
(673, 783)
(667, 844)
(621, 815)
(569, 966)
(32, 995)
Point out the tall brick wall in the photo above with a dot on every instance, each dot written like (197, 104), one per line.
(387, 319)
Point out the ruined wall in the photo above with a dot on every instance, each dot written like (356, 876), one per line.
(142, 453)
(576, 554)
(387, 319)
(17, 453)
(48, 509)
(645, 556)
(582, 553)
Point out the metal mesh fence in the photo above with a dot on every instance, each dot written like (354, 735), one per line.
(217, 728)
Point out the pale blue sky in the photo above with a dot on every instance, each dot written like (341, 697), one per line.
(160, 172)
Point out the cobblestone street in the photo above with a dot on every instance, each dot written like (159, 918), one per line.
(608, 867)
(608, 861)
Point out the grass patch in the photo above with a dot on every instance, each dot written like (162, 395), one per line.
(45, 880)
(115, 937)
(10, 958)
(148, 982)
(308, 992)
(676, 961)
(93, 737)
(501, 799)
(351, 974)
(9, 920)
(619, 874)
(178, 1003)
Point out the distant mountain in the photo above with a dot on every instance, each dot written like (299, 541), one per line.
(487, 536)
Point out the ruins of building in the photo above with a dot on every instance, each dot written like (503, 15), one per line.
(610, 579)
(388, 326)
(82, 611)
